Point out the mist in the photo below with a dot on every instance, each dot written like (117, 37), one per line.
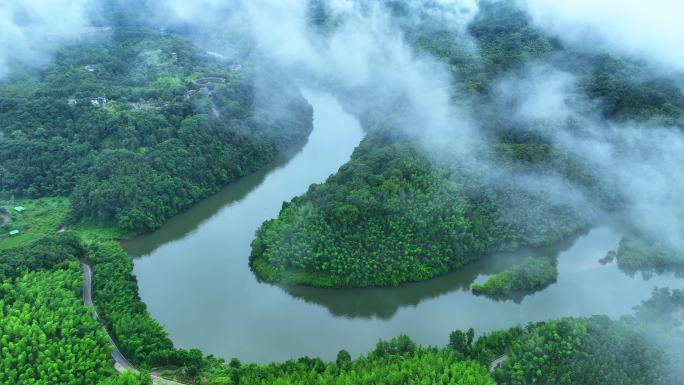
(364, 59)
(482, 149)
(32, 30)
(650, 30)
(639, 161)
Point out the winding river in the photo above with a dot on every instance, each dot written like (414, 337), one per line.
(194, 277)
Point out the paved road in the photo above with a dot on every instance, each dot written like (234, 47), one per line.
(496, 364)
(121, 364)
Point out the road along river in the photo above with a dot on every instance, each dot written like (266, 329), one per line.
(194, 275)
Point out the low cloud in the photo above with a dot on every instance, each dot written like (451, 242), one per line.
(363, 52)
(652, 30)
(639, 161)
(31, 30)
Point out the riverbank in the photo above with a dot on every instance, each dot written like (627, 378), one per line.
(198, 265)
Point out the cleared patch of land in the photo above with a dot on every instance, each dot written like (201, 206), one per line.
(42, 217)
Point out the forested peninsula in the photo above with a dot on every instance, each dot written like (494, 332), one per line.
(133, 124)
(393, 214)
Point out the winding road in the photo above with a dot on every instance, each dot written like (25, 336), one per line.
(121, 364)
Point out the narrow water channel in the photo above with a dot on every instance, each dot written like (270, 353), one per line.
(194, 277)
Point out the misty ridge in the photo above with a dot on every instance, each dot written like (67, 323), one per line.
(492, 128)
(361, 51)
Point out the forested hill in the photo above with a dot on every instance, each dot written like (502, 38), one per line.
(133, 125)
(126, 125)
(394, 214)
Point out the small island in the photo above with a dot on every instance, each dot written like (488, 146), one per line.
(639, 253)
(534, 273)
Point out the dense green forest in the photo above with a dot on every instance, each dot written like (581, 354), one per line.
(115, 292)
(124, 125)
(46, 254)
(638, 349)
(638, 253)
(393, 215)
(390, 215)
(532, 274)
(48, 337)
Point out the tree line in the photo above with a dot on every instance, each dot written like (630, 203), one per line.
(158, 144)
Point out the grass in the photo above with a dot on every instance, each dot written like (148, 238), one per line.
(42, 217)
(99, 231)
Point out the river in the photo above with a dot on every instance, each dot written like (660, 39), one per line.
(194, 277)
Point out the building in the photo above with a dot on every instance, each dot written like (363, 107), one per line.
(99, 101)
(20, 209)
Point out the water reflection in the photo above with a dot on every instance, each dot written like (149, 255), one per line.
(188, 221)
(194, 276)
(383, 303)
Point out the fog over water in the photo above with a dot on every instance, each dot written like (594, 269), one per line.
(193, 273)
(194, 277)
(366, 54)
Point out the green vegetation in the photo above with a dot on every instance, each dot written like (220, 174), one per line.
(636, 253)
(42, 217)
(638, 349)
(398, 361)
(532, 274)
(48, 253)
(630, 91)
(390, 215)
(120, 126)
(47, 336)
(585, 351)
(157, 145)
(127, 378)
(115, 294)
(45, 300)
(160, 143)
(43, 279)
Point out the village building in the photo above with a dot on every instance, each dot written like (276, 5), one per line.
(99, 101)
